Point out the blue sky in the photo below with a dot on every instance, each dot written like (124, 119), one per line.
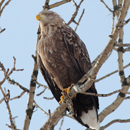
(19, 40)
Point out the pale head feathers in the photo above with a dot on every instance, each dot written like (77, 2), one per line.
(49, 18)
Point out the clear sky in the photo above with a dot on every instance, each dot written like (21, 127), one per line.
(19, 40)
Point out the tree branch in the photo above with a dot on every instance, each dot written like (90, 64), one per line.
(125, 85)
(58, 3)
(79, 20)
(4, 6)
(12, 81)
(55, 117)
(110, 73)
(40, 108)
(30, 107)
(76, 11)
(2, 30)
(115, 121)
(101, 95)
(106, 5)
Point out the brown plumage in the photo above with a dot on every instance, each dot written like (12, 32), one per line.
(63, 59)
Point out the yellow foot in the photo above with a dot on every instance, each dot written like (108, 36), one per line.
(61, 99)
(67, 91)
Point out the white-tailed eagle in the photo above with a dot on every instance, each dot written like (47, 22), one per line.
(63, 59)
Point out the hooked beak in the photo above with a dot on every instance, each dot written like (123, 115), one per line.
(39, 17)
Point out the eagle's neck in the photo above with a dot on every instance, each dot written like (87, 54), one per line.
(50, 29)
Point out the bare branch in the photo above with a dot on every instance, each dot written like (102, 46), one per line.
(61, 123)
(2, 30)
(30, 107)
(58, 3)
(8, 108)
(106, 5)
(46, 5)
(111, 73)
(128, 97)
(40, 108)
(101, 95)
(17, 84)
(115, 7)
(79, 20)
(7, 73)
(4, 6)
(128, 80)
(10, 116)
(115, 121)
(76, 11)
(41, 92)
(122, 45)
(48, 98)
(1, 2)
(126, 22)
(2, 100)
(113, 21)
(127, 49)
(44, 86)
(17, 97)
(12, 81)
(55, 117)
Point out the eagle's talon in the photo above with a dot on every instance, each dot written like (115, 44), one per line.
(61, 99)
(65, 91)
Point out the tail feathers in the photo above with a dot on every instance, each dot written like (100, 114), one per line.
(90, 119)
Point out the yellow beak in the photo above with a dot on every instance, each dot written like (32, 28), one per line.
(39, 17)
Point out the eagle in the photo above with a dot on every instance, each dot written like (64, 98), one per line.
(63, 59)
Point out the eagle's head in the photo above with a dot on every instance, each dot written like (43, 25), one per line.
(46, 17)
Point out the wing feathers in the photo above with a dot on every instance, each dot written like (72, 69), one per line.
(52, 85)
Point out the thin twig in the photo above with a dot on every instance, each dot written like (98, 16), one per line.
(41, 92)
(127, 49)
(7, 73)
(123, 45)
(40, 108)
(61, 123)
(106, 5)
(48, 98)
(110, 73)
(76, 11)
(17, 84)
(4, 6)
(58, 3)
(126, 22)
(101, 95)
(12, 81)
(17, 97)
(2, 100)
(1, 2)
(10, 116)
(128, 97)
(128, 93)
(8, 108)
(2, 30)
(79, 20)
(115, 121)
(44, 86)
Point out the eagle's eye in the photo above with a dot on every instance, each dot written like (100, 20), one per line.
(46, 14)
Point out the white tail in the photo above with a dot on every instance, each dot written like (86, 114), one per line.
(90, 119)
